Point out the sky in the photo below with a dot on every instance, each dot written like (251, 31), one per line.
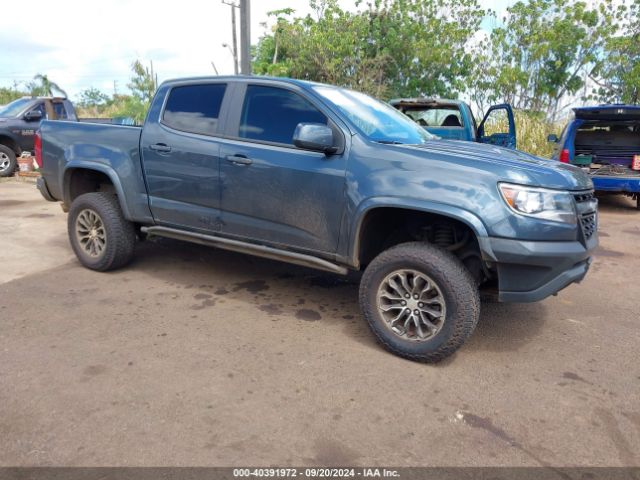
(83, 44)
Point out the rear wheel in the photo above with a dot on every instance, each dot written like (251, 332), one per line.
(100, 236)
(420, 301)
(7, 161)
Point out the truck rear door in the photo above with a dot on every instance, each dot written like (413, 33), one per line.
(498, 127)
(181, 153)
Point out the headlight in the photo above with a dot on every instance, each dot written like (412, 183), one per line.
(540, 203)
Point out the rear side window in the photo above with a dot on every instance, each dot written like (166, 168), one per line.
(61, 112)
(271, 114)
(194, 108)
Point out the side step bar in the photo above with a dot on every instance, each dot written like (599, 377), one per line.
(243, 247)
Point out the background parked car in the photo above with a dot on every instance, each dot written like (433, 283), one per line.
(20, 119)
(605, 142)
(454, 120)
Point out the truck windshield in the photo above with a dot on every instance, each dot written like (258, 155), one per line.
(14, 108)
(376, 120)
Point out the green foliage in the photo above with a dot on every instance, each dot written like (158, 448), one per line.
(42, 86)
(143, 83)
(9, 94)
(92, 97)
(542, 53)
(617, 75)
(95, 104)
(391, 48)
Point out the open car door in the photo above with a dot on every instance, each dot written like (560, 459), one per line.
(498, 127)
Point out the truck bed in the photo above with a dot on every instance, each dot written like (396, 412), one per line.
(113, 150)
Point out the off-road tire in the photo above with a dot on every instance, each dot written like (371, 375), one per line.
(11, 168)
(120, 233)
(458, 288)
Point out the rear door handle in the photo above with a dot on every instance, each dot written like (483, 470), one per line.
(160, 147)
(239, 159)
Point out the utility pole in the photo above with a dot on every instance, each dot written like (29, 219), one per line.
(234, 50)
(245, 37)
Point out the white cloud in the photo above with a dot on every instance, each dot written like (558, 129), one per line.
(81, 44)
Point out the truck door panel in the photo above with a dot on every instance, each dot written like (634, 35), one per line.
(498, 127)
(181, 157)
(272, 191)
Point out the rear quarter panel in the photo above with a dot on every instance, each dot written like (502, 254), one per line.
(110, 149)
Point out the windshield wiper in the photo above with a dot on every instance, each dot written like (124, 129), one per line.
(389, 142)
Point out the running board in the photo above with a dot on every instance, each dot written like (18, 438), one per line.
(243, 247)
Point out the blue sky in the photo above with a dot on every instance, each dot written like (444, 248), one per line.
(81, 44)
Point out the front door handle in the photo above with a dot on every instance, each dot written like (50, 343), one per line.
(239, 159)
(160, 148)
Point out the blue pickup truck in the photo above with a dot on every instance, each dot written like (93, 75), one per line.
(605, 142)
(454, 120)
(331, 179)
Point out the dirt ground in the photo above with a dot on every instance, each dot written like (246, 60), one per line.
(193, 356)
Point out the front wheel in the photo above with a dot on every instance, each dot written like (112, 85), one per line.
(420, 301)
(100, 236)
(7, 161)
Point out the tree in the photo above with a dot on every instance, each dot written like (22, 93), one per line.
(617, 74)
(143, 82)
(92, 97)
(391, 48)
(543, 52)
(9, 94)
(43, 86)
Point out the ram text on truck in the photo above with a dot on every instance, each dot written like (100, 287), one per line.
(332, 179)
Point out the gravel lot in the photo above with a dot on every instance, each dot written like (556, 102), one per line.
(192, 356)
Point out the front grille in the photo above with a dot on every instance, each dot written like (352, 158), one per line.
(584, 196)
(587, 207)
(589, 225)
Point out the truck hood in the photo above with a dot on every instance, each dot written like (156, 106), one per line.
(539, 171)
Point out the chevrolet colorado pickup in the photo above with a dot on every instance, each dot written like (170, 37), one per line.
(332, 179)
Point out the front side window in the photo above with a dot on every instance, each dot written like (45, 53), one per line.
(40, 108)
(271, 114)
(194, 108)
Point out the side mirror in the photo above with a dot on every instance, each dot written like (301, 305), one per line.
(314, 136)
(552, 138)
(33, 115)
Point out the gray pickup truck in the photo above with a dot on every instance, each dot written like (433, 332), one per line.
(331, 179)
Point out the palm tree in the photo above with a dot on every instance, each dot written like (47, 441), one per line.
(45, 87)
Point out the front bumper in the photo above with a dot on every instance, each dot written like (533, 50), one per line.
(531, 271)
(41, 184)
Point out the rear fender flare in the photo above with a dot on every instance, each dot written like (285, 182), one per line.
(109, 172)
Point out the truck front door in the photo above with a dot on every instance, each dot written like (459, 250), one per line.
(272, 191)
(181, 153)
(498, 127)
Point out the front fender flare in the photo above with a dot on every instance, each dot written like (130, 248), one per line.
(427, 206)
